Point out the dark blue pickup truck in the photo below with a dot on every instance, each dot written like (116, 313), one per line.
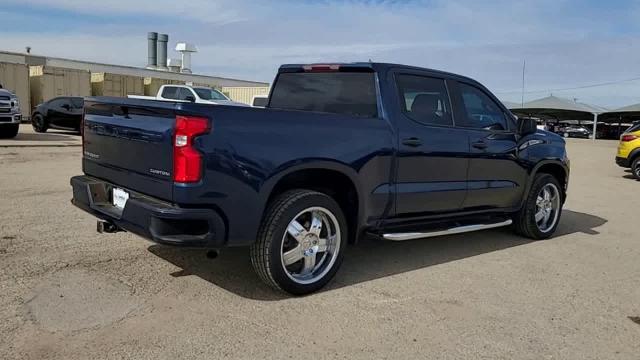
(340, 151)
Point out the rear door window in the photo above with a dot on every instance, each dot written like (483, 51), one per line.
(170, 92)
(425, 99)
(350, 93)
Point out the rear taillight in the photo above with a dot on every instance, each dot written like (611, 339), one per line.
(321, 68)
(628, 137)
(187, 161)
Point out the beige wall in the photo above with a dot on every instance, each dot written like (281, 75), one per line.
(106, 84)
(15, 77)
(244, 94)
(48, 82)
(152, 85)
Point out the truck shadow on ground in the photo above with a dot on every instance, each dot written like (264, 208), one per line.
(370, 259)
(48, 136)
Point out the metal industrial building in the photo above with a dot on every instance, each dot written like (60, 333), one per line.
(38, 78)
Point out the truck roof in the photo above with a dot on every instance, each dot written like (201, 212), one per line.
(375, 66)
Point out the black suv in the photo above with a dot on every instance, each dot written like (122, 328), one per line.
(59, 113)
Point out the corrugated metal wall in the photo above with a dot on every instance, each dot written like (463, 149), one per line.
(152, 85)
(202, 85)
(107, 84)
(49, 82)
(15, 77)
(244, 94)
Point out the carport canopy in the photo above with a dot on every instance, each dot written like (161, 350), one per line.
(557, 108)
(624, 115)
(627, 113)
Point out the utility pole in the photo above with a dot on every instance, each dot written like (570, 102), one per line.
(524, 65)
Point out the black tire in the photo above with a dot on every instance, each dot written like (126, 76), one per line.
(635, 168)
(39, 123)
(266, 252)
(524, 221)
(9, 131)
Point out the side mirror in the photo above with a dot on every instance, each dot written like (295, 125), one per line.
(66, 106)
(190, 98)
(527, 126)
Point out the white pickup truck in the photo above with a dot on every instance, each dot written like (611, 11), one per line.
(186, 93)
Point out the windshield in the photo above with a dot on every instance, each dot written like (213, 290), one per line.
(209, 94)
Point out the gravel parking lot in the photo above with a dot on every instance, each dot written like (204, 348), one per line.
(67, 292)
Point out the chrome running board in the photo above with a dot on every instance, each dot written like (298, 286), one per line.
(451, 231)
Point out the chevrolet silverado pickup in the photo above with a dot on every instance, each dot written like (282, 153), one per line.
(340, 151)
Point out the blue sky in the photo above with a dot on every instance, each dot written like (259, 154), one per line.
(566, 43)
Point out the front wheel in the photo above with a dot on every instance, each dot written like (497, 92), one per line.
(300, 243)
(540, 214)
(39, 123)
(9, 131)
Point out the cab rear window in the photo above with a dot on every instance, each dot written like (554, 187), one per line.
(350, 93)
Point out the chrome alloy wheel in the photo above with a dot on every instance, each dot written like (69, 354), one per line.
(310, 245)
(547, 207)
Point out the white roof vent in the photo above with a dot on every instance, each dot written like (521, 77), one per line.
(186, 49)
(174, 65)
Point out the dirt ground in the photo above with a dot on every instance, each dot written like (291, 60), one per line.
(67, 292)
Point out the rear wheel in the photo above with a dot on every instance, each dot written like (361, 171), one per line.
(39, 123)
(9, 131)
(635, 168)
(540, 214)
(301, 241)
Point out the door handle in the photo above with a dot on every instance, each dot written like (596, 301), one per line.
(412, 142)
(480, 145)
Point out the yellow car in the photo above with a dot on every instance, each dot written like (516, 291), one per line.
(629, 150)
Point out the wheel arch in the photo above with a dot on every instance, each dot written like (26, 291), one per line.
(332, 178)
(634, 154)
(557, 169)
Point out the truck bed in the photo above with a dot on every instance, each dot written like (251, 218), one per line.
(128, 143)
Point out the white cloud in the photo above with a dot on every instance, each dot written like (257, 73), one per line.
(565, 43)
(207, 11)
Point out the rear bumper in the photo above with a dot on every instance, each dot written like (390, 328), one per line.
(623, 162)
(153, 219)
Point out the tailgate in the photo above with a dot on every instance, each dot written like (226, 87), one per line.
(129, 143)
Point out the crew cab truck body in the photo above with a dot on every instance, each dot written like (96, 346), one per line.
(187, 93)
(340, 150)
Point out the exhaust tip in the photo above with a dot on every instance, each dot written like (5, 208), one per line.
(212, 254)
(107, 227)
